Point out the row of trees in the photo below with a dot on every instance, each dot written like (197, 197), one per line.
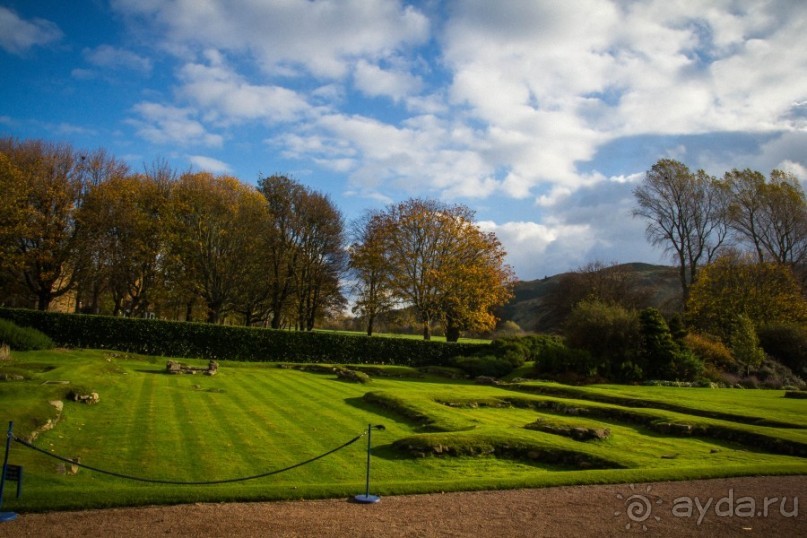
(696, 217)
(191, 245)
(164, 243)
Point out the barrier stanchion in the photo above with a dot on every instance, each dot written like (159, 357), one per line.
(366, 498)
(6, 516)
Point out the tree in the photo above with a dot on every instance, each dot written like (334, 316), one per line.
(285, 198)
(686, 214)
(771, 216)
(42, 237)
(122, 219)
(441, 264)
(369, 269)
(320, 261)
(211, 222)
(734, 286)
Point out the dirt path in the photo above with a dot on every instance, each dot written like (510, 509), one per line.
(731, 507)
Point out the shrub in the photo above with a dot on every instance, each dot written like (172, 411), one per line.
(745, 342)
(488, 366)
(23, 338)
(557, 358)
(508, 329)
(711, 351)
(610, 333)
(787, 343)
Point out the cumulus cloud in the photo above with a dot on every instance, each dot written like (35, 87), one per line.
(164, 124)
(209, 164)
(374, 81)
(321, 38)
(111, 57)
(227, 97)
(18, 35)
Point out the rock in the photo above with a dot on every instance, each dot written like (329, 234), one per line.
(486, 380)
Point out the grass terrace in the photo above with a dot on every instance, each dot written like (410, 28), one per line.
(440, 434)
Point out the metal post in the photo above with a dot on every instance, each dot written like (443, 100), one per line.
(6, 516)
(367, 498)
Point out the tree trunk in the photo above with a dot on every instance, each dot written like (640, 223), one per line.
(452, 332)
(427, 330)
(43, 300)
(370, 323)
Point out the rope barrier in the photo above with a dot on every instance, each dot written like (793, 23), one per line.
(181, 483)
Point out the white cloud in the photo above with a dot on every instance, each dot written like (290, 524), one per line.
(374, 81)
(533, 248)
(163, 124)
(209, 164)
(321, 38)
(18, 35)
(553, 82)
(227, 97)
(115, 58)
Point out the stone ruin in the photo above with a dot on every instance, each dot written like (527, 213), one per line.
(175, 367)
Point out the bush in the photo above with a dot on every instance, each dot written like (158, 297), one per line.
(217, 342)
(610, 333)
(711, 351)
(787, 343)
(488, 366)
(23, 338)
(745, 342)
(557, 358)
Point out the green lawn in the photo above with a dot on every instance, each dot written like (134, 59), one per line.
(255, 418)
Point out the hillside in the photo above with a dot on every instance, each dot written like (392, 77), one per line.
(531, 310)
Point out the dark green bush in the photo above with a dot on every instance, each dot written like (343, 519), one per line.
(488, 365)
(787, 343)
(557, 358)
(183, 339)
(610, 333)
(23, 338)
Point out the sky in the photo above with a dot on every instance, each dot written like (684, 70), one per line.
(542, 116)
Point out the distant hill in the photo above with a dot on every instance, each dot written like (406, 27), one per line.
(528, 306)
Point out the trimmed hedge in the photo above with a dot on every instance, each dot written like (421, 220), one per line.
(217, 342)
(22, 338)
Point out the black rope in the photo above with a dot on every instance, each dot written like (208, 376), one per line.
(179, 483)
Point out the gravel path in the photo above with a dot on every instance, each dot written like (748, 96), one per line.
(730, 507)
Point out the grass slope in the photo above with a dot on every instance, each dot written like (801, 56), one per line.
(440, 434)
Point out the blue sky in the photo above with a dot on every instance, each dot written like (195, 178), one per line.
(542, 116)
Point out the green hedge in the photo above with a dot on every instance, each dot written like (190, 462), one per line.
(22, 338)
(183, 339)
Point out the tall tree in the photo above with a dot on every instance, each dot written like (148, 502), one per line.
(369, 269)
(211, 236)
(285, 199)
(442, 265)
(686, 213)
(321, 259)
(122, 219)
(51, 185)
(769, 216)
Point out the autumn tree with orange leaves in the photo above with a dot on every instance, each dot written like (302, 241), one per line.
(437, 261)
